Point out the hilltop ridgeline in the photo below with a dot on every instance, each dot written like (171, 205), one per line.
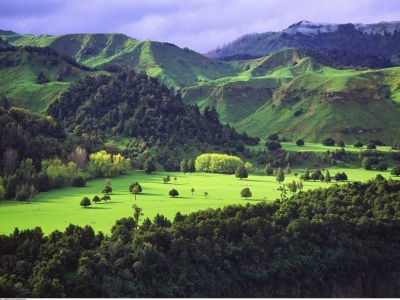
(366, 45)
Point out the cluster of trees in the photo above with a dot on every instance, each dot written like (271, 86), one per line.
(24, 182)
(217, 163)
(103, 164)
(337, 242)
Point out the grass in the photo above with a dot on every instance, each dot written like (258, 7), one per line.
(57, 209)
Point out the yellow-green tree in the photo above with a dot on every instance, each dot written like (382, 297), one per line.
(217, 163)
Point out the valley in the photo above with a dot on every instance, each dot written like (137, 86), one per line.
(265, 168)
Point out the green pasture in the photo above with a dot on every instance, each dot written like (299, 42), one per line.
(57, 209)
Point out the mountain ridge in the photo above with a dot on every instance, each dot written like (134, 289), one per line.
(378, 39)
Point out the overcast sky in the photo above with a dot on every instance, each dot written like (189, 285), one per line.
(200, 25)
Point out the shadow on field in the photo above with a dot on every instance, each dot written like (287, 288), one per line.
(256, 200)
(149, 194)
(111, 202)
(93, 207)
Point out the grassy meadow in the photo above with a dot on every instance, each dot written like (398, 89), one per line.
(57, 209)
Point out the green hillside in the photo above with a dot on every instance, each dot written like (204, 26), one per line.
(174, 66)
(19, 69)
(237, 97)
(343, 104)
(259, 96)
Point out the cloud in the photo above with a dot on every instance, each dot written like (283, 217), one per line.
(201, 25)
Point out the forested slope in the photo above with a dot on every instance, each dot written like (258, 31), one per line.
(135, 105)
(338, 242)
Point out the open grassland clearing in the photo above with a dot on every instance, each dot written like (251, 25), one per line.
(57, 209)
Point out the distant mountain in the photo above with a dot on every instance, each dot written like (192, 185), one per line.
(366, 43)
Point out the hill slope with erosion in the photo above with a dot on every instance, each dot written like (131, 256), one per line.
(237, 97)
(343, 104)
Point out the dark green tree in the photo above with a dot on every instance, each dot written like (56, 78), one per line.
(241, 172)
(269, 170)
(328, 142)
(300, 142)
(245, 193)
(273, 145)
(137, 213)
(78, 181)
(85, 202)
(395, 170)
(366, 163)
(327, 177)
(107, 190)
(358, 144)
(135, 188)
(167, 179)
(173, 193)
(280, 175)
(149, 166)
(191, 166)
(96, 199)
(184, 166)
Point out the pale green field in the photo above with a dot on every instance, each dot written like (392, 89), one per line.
(58, 208)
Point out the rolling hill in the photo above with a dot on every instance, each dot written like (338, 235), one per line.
(174, 66)
(259, 95)
(343, 104)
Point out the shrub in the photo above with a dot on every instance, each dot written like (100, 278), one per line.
(78, 181)
(328, 142)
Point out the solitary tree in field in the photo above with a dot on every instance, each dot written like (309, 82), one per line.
(166, 179)
(135, 188)
(280, 176)
(205, 195)
(85, 202)
(192, 191)
(241, 172)
(173, 193)
(246, 193)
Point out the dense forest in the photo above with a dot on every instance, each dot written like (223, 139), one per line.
(342, 241)
(138, 106)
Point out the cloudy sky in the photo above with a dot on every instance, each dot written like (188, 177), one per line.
(200, 25)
